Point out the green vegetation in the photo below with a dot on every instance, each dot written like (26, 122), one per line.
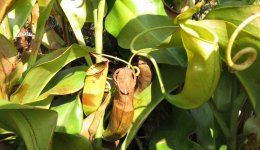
(129, 74)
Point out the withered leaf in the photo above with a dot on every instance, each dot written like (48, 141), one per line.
(91, 123)
(7, 64)
(123, 110)
(94, 87)
(145, 76)
(99, 114)
(5, 5)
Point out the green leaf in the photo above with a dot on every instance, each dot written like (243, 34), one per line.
(18, 15)
(150, 97)
(171, 50)
(225, 105)
(204, 120)
(66, 82)
(249, 78)
(70, 142)
(70, 114)
(8, 60)
(171, 56)
(45, 7)
(44, 69)
(174, 133)
(34, 126)
(128, 18)
(237, 15)
(76, 13)
(91, 5)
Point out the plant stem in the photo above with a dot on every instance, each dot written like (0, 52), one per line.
(35, 49)
(98, 22)
(65, 32)
(100, 130)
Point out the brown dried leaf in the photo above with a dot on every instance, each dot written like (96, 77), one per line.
(5, 5)
(86, 124)
(145, 76)
(123, 109)
(7, 64)
(99, 114)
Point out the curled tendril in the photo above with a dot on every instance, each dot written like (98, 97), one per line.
(252, 53)
(137, 70)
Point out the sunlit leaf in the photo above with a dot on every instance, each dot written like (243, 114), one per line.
(52, 40)
(76, 13)
(67, 81)
(70, 114)
(18, 15)
(45, 7)
(4, 7)
(203, 69)
(94, 87)
(34, 126)
(127, 18)
(44, 69)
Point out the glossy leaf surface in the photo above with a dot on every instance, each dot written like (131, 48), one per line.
(70, 114)
(34, 126)
(127, 18)
(203, 70)
(44, 69)
(67, 81)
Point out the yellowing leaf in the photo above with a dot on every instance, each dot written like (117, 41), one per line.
(94, 87)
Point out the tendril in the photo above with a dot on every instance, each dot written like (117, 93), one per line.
(134, 68)
(143, 52)
(252, 53)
